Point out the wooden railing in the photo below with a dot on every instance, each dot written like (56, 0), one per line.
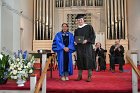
(44, 72)
(130, 61)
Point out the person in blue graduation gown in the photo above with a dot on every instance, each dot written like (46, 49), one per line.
(63, 45)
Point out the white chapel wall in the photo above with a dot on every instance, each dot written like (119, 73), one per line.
(10, 25)
(134, 25)
(26, 24)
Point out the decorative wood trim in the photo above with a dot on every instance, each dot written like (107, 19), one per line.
(42, 44)
(37, 89)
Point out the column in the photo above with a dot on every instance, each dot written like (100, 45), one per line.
(134, 75)
(33, 80)
(44, 84)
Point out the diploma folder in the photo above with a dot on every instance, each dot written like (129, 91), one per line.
(79, 39)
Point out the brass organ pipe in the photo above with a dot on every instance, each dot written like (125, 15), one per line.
(108, 19)
(52, 19)
(97, 2)
(119, 19)
(110, 31)
(38, 19)
(123, 30)
(125, 20)
(40, 22)
(116, 19)
(112, 19)
(72, 3)
(48, 19)
(45, 20)
(47, 10)
(41, 26)
(35, 20)
(114, 31)
(59, 3)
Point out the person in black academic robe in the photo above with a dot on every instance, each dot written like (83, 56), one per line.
(100, 57)
(117, 56)
(84, 51)
(63, 45)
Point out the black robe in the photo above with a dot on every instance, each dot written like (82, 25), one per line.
(85, 58)
(117, 53)
(101, 54)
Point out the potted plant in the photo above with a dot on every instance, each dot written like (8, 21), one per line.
(4, 67)
(21, 66)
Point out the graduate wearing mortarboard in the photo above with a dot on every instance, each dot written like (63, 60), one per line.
(85, 60)
(63, 45)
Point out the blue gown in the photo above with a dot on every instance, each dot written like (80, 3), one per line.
(58, 47)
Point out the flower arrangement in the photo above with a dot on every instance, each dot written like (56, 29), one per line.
(4, 66)
(21, 65)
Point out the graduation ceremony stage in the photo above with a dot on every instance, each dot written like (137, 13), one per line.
(102, 82)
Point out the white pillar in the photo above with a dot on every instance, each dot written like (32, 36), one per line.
(44, 59)
(33, 79)
(134, 75)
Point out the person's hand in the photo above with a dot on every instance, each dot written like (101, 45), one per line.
(66, 49)
(119, 49)
(99, 49)
(97, 58)
(115, 48)
(75, 43)
(85, 41)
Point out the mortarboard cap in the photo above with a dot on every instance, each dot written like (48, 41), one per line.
(80, 16)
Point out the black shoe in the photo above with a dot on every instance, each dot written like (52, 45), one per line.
(79, 78)
(97, 70)
(113, 71)
(121, 71)
(89, 79)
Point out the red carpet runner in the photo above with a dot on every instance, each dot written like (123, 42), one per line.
(102, 82)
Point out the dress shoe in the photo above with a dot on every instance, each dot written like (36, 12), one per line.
(79, 78)
(63, 79)
(113, 71)
(121, 71)
(88, 79)
(66, 78)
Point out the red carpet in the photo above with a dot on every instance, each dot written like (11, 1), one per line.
(102, 82)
